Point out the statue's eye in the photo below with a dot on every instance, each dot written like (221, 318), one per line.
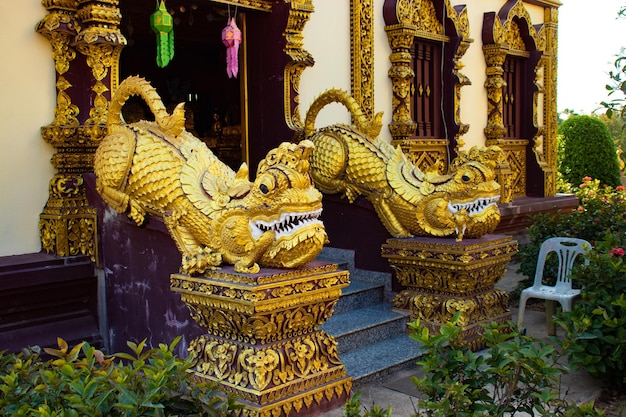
(465, 178)
(267, 184)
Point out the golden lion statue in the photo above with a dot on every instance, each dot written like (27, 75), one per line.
(214, 214)
(352, 160)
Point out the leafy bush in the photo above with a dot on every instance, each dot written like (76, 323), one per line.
(516, 373)
(83, 381)
(601, 209)
(588, 149)
(596, 327)
(353, 408)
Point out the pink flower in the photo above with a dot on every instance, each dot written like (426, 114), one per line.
(616, 252)
(581, 208)
(586, 178)
(620, 188)
(583, 185)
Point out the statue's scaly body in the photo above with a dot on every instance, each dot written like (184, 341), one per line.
(352, 160)
(213, 214)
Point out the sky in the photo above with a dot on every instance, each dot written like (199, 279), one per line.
(590, 36)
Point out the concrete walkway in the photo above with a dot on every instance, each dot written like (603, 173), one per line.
(397, 389)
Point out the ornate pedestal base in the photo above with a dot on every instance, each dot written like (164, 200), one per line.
(442, 277)
(262, 343)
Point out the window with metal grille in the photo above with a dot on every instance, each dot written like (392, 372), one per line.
(426, 103)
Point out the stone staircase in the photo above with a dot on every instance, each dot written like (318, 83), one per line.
(371, 336)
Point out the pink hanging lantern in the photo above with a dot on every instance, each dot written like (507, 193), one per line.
(231, 36)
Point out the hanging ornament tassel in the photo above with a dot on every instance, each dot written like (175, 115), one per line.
(162, 24)
(231, 36)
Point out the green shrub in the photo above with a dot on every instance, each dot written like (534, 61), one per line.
(83, 381)
(516, 373)
(353, 408)
(596, 327)
(588, 150)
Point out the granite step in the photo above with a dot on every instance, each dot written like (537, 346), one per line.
(372, 339)
(357, 295)
(378, 360)
(371, 324)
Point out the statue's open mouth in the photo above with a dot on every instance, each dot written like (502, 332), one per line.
(473, 207)
(286, 225)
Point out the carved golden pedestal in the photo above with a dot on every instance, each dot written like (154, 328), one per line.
(262, 343)
(443, 276)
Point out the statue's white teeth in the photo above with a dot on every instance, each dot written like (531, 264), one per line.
(474, 207)
(287, 224)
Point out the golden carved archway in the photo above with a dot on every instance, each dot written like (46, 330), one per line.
(530, 168)
(438, 20)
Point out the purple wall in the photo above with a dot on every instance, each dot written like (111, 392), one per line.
(137, 263)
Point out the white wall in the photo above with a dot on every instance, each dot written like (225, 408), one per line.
(27, 101)
(327, 38)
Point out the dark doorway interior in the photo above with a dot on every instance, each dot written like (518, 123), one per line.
(196, 75)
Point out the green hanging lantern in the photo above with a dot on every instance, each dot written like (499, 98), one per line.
(162, 24)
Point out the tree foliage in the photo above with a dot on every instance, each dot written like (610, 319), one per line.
(588, 150)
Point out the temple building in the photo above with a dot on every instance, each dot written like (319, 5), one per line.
(446, 75)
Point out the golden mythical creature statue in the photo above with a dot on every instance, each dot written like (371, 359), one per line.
(213, 214)
(352, 160)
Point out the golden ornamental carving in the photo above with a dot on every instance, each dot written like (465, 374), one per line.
(232, 314)
(549, 64)
(441, 277)
(68, 223)
(212, 213)
(514, 37)
(425, 18)
(299, 15)
(352, 160)
(267, 350)
(362, 53)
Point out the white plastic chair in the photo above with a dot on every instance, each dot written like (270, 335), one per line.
(567, 250)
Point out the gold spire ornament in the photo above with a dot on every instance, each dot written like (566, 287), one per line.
(162, 24)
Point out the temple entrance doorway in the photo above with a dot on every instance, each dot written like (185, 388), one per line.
(214, 102)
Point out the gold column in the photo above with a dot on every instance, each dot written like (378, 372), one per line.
(67, 224)
(441, 277)
(495, 131)
(550, 108)
(362, 54)
(262, 343)
(401, 36)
